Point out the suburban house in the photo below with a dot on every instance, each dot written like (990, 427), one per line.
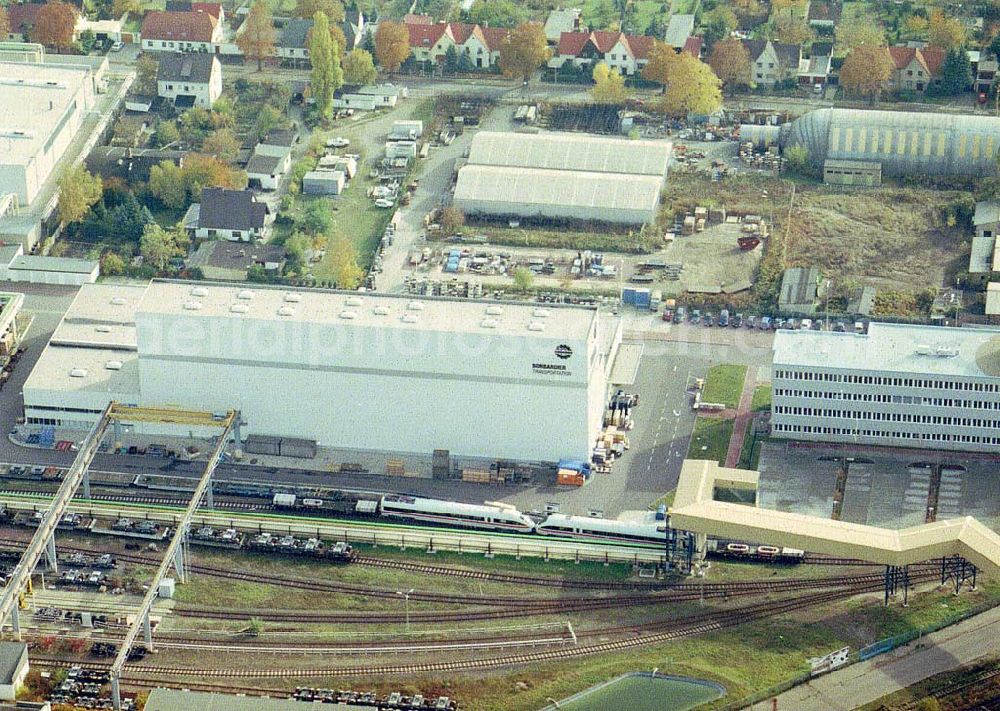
(189, 79)
(679, 28)
(292, 41)
(271, 159)
(181, 31)
(354, 28)
(480, 45)
(773, 62)
(914, 68)
(985, 257)
(366, 98)
(129, 164)
(815, 69)
(986, 71)
(230, 261)
(824, 15)
(104, 30)
(212, 8)
(560, 21)
(626, 53)
(234, 215)
(21, 17)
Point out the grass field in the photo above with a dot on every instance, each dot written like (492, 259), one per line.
(724, 384)
(710, 439)
(761, 400)
(627, 242)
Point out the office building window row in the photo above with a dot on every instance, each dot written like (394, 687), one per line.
(810, 376)
(886, 416)
(894, 399)
(923, 436)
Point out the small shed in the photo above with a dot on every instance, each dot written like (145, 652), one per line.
(265, 170)
(324, 182)
(799, 290)
(985, 255)
(993, 299)
(862, 301)
(852, 172)
(401, 149)
(406, 131)
(13, 668)
(37, 269)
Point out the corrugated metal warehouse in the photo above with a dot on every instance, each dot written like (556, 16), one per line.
(903, 142)
(563, 176)
(360, 371)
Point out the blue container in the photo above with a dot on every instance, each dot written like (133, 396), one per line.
(642, 298)
(576, 465)
(628, 296)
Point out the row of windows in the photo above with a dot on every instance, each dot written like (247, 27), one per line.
(883, 380)
(887, 417)
(895, 399)
(929, 436)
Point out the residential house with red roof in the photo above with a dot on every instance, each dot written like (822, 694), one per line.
(431, 42)
(182, 31)
(914, 69)
(626, 53)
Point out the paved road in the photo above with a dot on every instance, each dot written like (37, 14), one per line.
(865, 682)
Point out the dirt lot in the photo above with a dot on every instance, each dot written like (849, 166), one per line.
(891, 238)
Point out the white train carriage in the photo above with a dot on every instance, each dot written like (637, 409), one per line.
(603, 529)
(491, 515)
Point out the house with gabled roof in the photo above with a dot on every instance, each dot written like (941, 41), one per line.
(480, 45)
(235, 215)
(914, 68)
(626, 53)
(189, 79)
(182, 31)
(773, 62)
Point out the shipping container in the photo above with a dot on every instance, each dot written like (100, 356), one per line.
(365, 506)
(395, 467)
(568, 477)
(476, 476)
(284, 500)
(628, 295)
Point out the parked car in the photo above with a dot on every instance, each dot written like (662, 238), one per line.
(709, 320)
(680, 315)
(383, 202)
(724, 318)
(737, 321)
(696, 316)
(668, 315)
(840, 327)
(806, 324)
(765, 323)
(117, 46)
(338, 142)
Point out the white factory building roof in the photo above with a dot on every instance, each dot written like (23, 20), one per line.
(539, 192)
(35, 101)
(570, 151)
(894, 348)
(353, 309)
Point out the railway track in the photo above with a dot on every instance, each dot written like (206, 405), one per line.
(655, 633)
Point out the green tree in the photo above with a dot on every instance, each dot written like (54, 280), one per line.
(945, 32)
(166, 133)
(297, 248)
(322, 54)
(523, 279)
(693, 88)
(718, 23)
(87, 41)
(166, 183)
(359, 68)
(956, 73)
(112, 264)
(345, 269)
(316, 218)
(609, 85)
(256, 41)
(120, 7)
(4, 23)
(451, 59)
(523, 51)
(496, 13)
(798, 159)
(333, 9)
(78, 190)
(223, 144)
(145, 75)
(158, 245)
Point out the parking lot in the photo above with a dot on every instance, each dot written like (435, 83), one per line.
(883, 487)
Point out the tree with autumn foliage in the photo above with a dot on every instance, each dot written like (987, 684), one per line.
(609, 85)
(54, 25)
(4, 22)
(523, 51)
(392, 45)
(333, 9)
(256, 41)
(791, 30)
(359, 67)
(730, 61)
(945, 32)
(866, 71)
(858, 31)
(661, 58)
(692, 88)
(78, 190)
